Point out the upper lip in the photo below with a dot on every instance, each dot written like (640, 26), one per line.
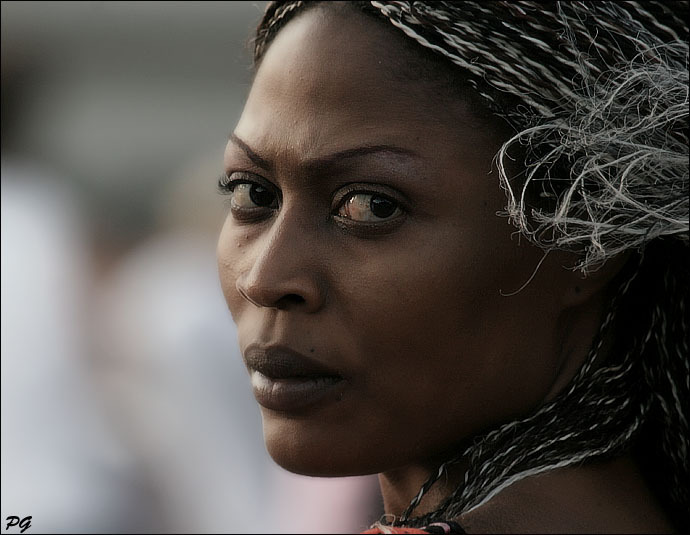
(280, 362)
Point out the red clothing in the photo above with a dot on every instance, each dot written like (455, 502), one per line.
(396, 530)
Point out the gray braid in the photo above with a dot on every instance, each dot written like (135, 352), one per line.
(275, 17)
(597, 93)
(603, 107)
(666, 371)
(497, 460)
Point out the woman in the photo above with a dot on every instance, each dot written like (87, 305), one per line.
(393, 322)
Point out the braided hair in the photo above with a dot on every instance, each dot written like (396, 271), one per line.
(597, 94)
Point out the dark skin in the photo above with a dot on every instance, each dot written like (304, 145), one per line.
(406, 301)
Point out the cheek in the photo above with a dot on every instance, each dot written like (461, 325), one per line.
(425, 294)
(412, 325)
(440, 331)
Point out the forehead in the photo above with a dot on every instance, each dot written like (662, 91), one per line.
(334, 76)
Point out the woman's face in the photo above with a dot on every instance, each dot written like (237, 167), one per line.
(364, 263)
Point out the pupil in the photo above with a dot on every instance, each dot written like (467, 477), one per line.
(382, 207)
(260, 196)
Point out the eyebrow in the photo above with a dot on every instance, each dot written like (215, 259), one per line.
(253, 156)
(329, 160)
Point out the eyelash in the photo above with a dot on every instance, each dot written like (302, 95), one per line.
(227, 185)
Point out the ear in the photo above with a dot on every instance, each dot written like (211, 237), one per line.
(582, 287)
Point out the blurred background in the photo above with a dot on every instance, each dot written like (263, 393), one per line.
(125, 405)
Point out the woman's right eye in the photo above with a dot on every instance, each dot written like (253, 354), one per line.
(246, 195)
(248, 199)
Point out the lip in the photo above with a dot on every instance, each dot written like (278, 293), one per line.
(285, 380)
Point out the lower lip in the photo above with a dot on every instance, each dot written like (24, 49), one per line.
(294, 393)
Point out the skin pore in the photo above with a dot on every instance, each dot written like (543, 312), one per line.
(362, 233)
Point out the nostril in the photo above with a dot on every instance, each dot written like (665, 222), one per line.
(243, 293)
(288, 300)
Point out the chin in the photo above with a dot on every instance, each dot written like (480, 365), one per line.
(298, 447)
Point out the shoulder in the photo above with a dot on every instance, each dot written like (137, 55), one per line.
(604, 497)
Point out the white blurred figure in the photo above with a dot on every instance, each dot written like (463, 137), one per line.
(61, 464)
(325, 505)
(177, 379)
(174, 378)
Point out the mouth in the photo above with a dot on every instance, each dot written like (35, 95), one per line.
(284, 380)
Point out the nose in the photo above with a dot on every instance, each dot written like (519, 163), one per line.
(284, 271)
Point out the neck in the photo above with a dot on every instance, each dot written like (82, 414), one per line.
(400, 486)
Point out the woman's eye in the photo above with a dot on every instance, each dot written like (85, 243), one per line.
(369, 207)
(249, 195)
(250, 198)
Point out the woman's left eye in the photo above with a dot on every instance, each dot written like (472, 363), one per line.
(369, 207)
